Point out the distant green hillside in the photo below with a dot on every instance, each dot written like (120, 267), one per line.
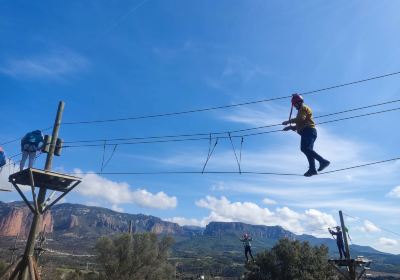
(215, 250)
(221, 240)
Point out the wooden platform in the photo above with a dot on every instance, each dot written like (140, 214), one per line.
(44, 179)
(349, 262)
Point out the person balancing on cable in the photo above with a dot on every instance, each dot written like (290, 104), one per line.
(31, 143)
(305, 126)
(247, 246)
(339, 240)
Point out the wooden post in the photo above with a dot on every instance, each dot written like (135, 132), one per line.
(37, 217)
(352, 271)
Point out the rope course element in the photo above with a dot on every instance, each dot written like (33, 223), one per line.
(104, 153)
(234, 152)
(360, 165)
(210, 151)
(183, 172)
(330, 121)
(109, 159)
(220, 137)
(232, 172)
(231, 131)
(231, 105)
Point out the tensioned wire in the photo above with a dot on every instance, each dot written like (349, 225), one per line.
(232, 105)
(234, 172)
(224, 137)
(219, 107)
(231, 131)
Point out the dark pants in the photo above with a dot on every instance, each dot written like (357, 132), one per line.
(308, 137)
(247, 250)
(341, 249)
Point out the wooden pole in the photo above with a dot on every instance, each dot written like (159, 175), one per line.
(346, 244)
(37, 217)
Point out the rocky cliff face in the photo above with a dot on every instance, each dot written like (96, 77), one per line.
(80, 221)
(16, 219)
(237, 229)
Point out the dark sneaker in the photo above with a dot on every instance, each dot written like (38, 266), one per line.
(323, 165)
(310, 173)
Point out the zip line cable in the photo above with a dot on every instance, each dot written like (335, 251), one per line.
(231, 131)
(231, 172)
(231, 105)
(225, 137)
(359, 219)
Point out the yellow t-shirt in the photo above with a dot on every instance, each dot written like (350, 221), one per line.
(303, 118)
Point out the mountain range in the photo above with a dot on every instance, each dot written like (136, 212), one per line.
(74, 229)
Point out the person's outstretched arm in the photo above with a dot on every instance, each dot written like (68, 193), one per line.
(290, 127)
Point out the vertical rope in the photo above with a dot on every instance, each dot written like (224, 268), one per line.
(241, 146)
(209, 146)
(109, 159)
(209, 154)
(234, 151)
(104, 153)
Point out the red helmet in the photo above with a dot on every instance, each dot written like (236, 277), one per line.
(296, 98)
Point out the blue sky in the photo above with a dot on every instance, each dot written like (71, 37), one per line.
(115, 59)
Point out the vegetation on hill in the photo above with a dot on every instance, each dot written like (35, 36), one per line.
(3, 267)
(291, 260)
(138, 256)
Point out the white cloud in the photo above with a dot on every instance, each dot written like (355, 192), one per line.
(5, 172)
(92, 203)
(267, 114)
(387, 242)
(370, 227)
(120, 193)
(395, 192)
(11, 167)
(53, 65)
(268, 201)
(222, 210)
(116, 208)
(186, 222)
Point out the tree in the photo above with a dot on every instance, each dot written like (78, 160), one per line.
(138, 256)
(289, 260)
(3, 267)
